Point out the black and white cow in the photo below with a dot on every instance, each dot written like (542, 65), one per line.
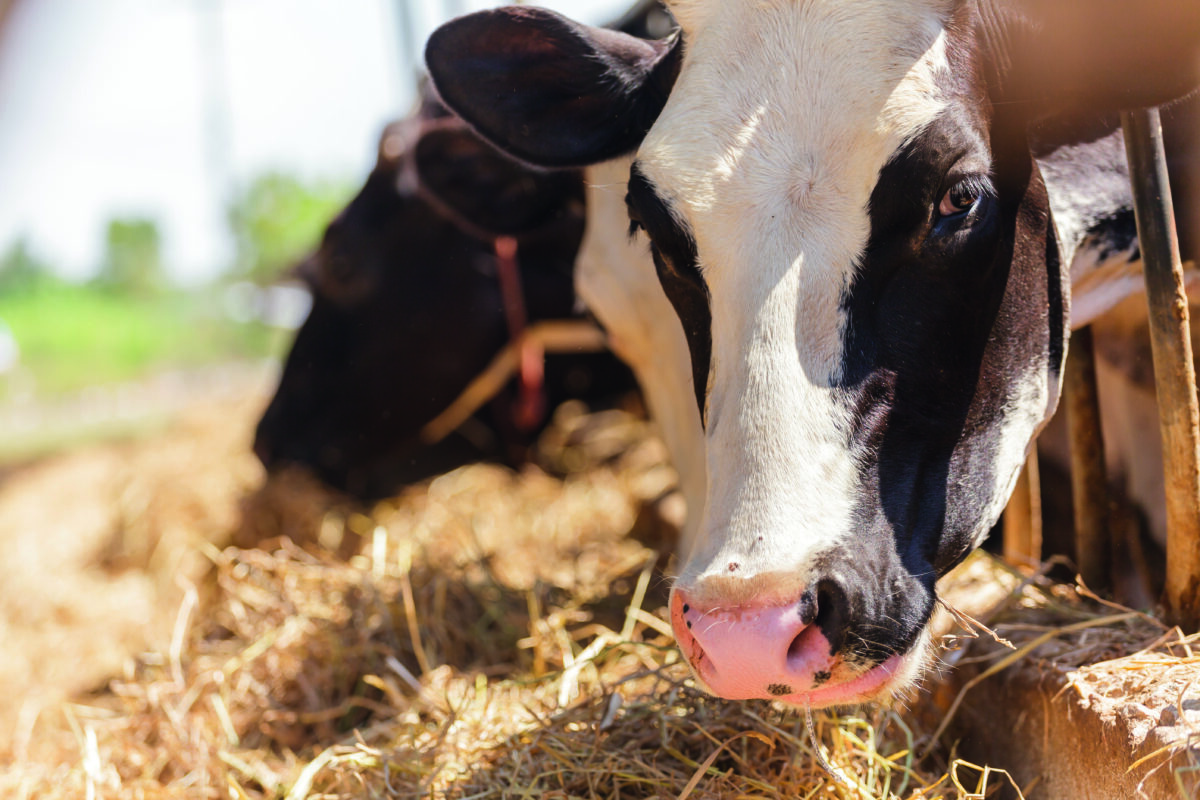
(408, 309)
(848, 211)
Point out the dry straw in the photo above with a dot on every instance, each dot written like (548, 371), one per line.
(487, 635)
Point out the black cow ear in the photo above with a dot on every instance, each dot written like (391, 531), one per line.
(1094, 55)
(484, 189)
(548, 90)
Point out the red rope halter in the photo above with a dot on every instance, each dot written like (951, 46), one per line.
(531, 396)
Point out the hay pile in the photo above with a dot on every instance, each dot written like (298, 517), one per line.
(1066, 669)
(488, 635)
(93, 544)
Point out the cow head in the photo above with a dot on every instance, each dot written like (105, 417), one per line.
(407, 308)
(844, 210)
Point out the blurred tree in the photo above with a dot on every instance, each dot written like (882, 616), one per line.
(132, 257)
(21, 270)
(277, 219)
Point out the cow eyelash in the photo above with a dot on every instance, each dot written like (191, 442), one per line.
(972, 188)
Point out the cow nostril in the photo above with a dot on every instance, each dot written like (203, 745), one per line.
(832, 613)
(807, 606)
(796, 649)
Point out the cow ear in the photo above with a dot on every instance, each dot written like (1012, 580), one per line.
(1095, 55)
(484, 189)
(548, 90)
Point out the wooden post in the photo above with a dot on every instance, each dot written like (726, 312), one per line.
(1174, 373)
(1089, 484)
(1023, 517)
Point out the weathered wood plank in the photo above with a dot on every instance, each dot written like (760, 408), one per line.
(1089, 484)
(1179, 416)
(1023, 517)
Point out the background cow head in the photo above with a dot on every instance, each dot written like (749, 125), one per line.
(846, 213)
(407, 309)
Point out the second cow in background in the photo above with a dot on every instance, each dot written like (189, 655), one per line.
(409, 309)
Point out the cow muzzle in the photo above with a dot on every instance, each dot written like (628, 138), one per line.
(796, 652)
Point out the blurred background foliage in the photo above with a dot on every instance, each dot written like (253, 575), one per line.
(277, 218)
(164, 163)
(129, 320)
(133, 261)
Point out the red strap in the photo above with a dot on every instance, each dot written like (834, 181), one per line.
(531, 396)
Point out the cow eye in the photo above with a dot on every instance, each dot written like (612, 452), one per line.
(962, 198)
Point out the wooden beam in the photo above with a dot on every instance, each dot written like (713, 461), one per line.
(1089, 484)
(1174, 372)
(1023, 517)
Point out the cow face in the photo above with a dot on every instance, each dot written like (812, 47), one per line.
(845, 212)
(407, 308)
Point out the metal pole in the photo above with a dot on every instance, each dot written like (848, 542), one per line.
(1023, 517)
(1089, 485)
(410, 48)
(1174, 373)
(218, 121)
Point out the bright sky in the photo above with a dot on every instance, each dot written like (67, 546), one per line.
(114, 107)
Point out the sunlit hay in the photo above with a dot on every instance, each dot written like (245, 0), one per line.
(1120, 662)
(96, 547)
(302, 682)
(1061, 624)
(491, 635)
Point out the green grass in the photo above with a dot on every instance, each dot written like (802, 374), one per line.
(71, 337)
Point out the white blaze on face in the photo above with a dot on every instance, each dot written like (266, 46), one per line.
(767, 151)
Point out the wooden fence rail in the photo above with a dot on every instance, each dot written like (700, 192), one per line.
(1179, 416)
(1089, 482)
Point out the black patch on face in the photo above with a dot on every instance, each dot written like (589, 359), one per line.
(946, 318)
(919, 313)
(779, 690)
(820, 678)
(677, 264)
